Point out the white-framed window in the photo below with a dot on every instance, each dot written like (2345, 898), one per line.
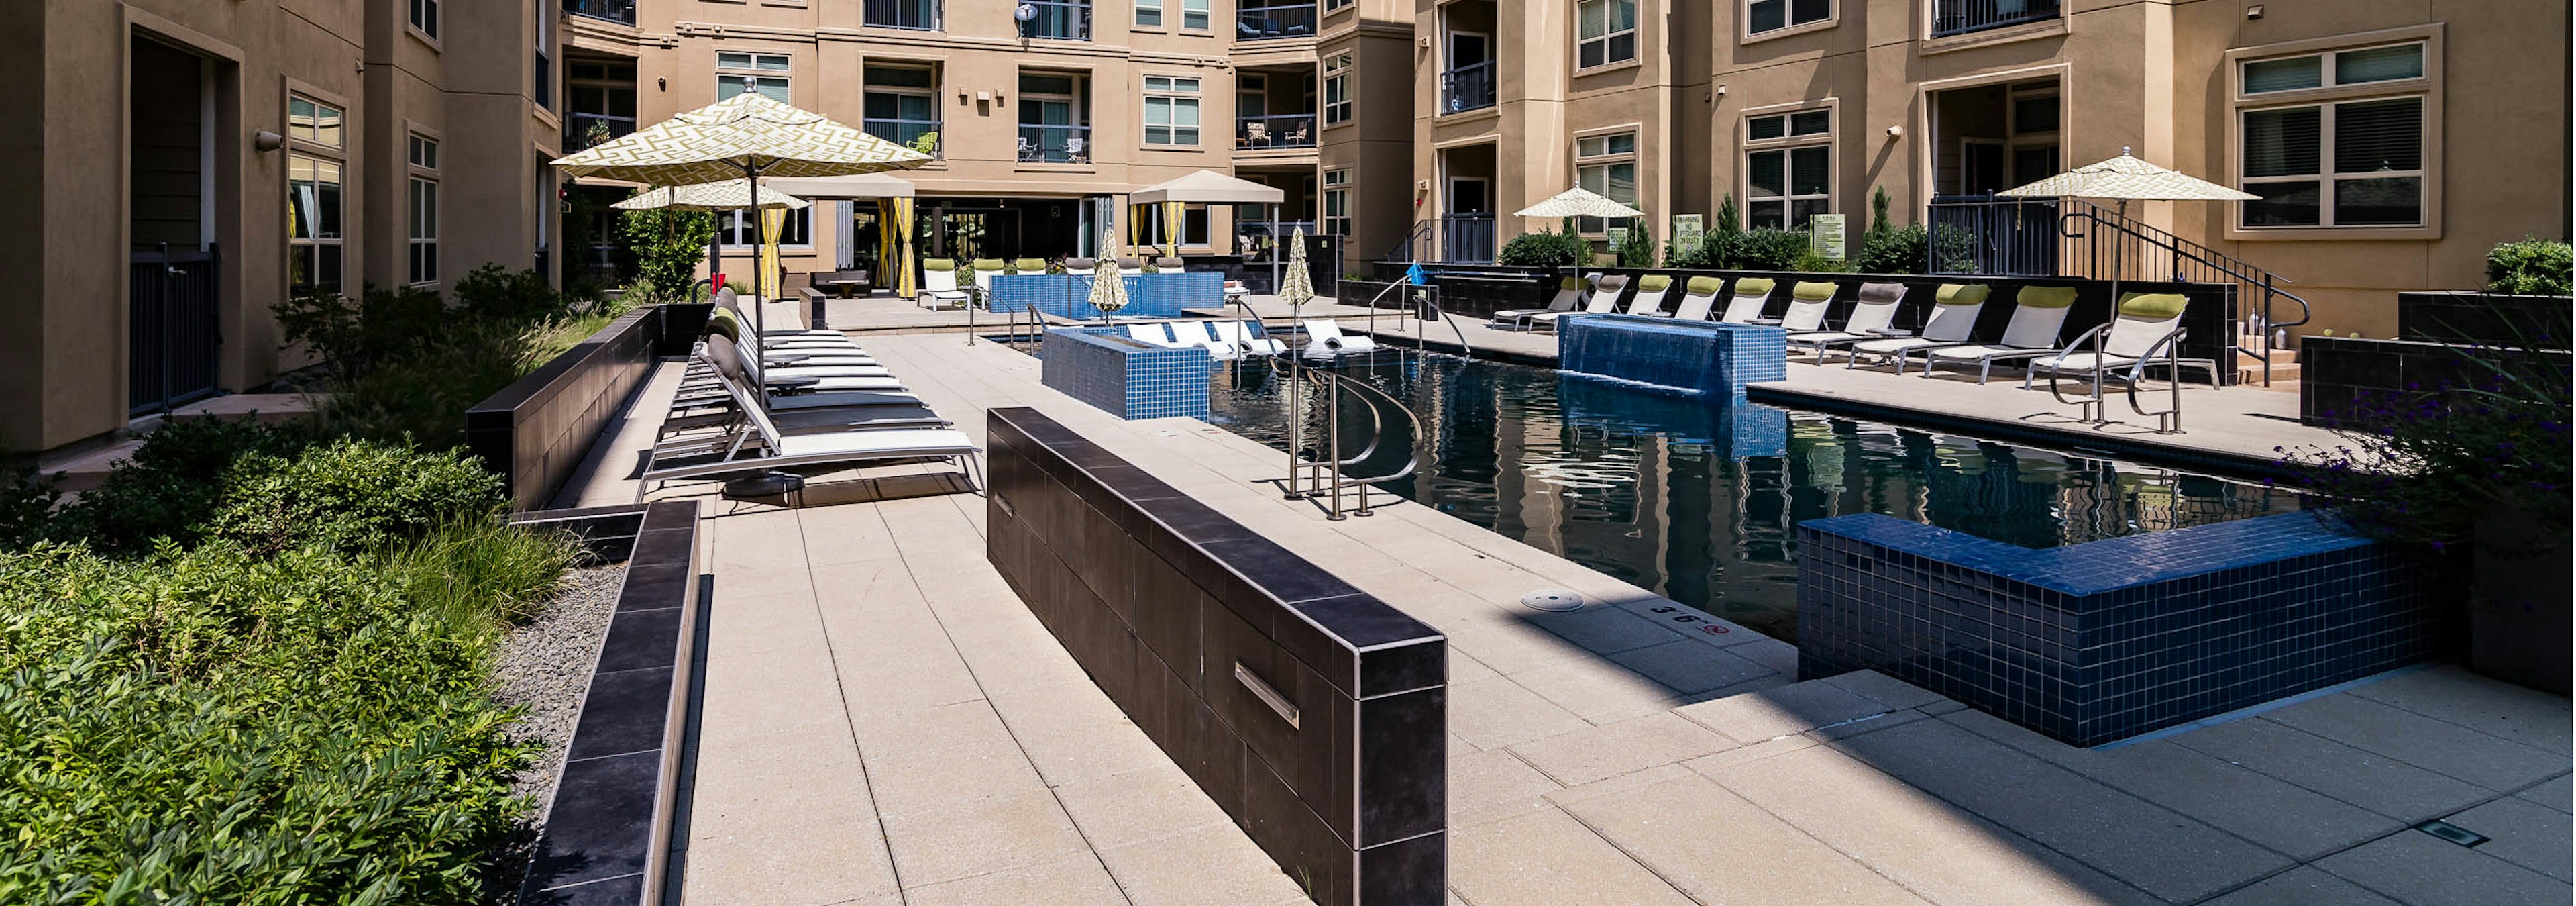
(1606, 165)
(315, 186)
(1149, 13)
(763, 73)
(2335, 138)
(1171, 110)
(1194, 15)
(1762, 16)
(1788, 168)
(1606, 32)
(738, 229)
(1337, 89)
(422, 156)
(424, 16)
(1337, 202)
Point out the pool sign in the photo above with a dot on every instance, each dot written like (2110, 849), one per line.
(1687, 231)
(1825, 236)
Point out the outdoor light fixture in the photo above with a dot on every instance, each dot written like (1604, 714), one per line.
(1895, 132)
(2254, 12)
(264, 140)
(1026, 13)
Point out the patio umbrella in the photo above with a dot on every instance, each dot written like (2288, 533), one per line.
(746, 135)
(1579, 202)
(708, 196)
(1108, 291)
(1296, 286)
(2124, 179)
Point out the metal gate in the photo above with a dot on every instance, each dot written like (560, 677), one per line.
(174, 328)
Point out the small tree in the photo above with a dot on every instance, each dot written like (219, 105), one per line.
(668, 245)
(1723, 247)
(1637, 247)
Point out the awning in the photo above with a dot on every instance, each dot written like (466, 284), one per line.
(1207, 187)
(865, 185)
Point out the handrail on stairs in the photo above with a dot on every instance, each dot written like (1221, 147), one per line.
(1325, 476)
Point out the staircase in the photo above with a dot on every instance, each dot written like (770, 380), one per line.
(2284, 372)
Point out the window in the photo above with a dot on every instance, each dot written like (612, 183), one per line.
(1149, 13)
(1337, 89)
(423, 157)
(1194, 15)
(1788, 168)
(1772, 15)
(1607, 32)
(1055, 120)
(764, 73)
(603, 102)
(921, 15)
(424, 16)
(902, 106)
(544, 91)
(739, 229)
(313, 194)
(1194, 225)
(1171, 111)
(1331, 5)
(1337, 202)
(1606, 165)
(2352, 156)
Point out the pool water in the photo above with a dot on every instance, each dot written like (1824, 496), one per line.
(1694, 498)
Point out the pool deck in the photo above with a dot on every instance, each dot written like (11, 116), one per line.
(883, 721)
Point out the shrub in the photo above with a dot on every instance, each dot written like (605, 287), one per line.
(172, 485)
(2532, 267)
(489, 293)
(1637, 247)
(474, 569)
(353, 337)
(347, 494)
(668, 246)
(1545, 248)
(1811, 263)
(1694, 257)
(1896, 251)
(1768, 249)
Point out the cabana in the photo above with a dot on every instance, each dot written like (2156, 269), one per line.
(1204, 187)
(893, 198)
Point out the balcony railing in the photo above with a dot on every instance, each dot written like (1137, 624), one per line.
(1057, 19)
(904, 132)
(1284, 20)
(915, 14)
(620, 11)
(1955, 17)
(1040, 144)
(1293, 130)
(1467, 238)
(583, 130)
(1469, 87)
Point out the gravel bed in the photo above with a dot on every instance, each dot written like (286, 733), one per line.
(545, 665)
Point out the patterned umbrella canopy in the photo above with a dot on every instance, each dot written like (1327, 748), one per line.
(1108, 290)
(746, 132)
(707, 196)
(2127, 178)
(1296, 286)
(1579, 202)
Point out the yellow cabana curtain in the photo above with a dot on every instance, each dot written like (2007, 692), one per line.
(885, 246)
(772, 222)
(902, 221)
(1134, 216)
(1173, 212)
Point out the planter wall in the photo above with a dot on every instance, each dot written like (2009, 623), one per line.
(2339, 374)
(536, 431)
(2519, 626)
(2466, 316)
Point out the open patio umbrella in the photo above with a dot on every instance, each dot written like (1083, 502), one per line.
(709, 196)
(1579, 202)
(2125, 179)
(746, 135)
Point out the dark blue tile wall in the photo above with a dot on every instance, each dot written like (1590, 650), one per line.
(1123, 377)
(1692, 356)
(2100, 641)
(1148, 295)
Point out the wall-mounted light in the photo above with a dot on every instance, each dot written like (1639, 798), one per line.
(661, 83)
(2254, 12)
(1895, 132)
(264, 140)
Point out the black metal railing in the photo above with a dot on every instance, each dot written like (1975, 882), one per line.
(1958, 17)
(1042, 144)
(921, 15)
(1469, 87)
(1467, 238)
(1058, 19)
(1290, 130)
(1284, 20)
(1415, 246)
(620, 11)
(1982, 234)
(904, 132)
(582, 130)
(174, 328)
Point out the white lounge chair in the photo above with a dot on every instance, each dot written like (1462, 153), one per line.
(1870, 319)
(1244, 335)
(1569, 293)
(1954, 318)
(1152, 334)
(1325, 338)
(1605, 299)
(1751, 295)
(939, 286)
(1203, 335)
(2039, 313)
(1808, 303)
(762, 447)
(985, 270)
(1651, 290)
(1699, 295)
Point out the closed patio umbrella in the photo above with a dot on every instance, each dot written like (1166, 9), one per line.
(709, 196)
(1108, 290)
(746, 135)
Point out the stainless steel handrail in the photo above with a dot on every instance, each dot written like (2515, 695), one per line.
(1326, 476)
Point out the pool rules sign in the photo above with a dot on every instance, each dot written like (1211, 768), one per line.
(1825, 236)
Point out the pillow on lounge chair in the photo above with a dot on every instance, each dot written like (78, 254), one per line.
(2152, 305)
(938, 264)
(1654, 283)
(988, 264)
(1753, 286)
(1882, 292)
(1168, 264)
(1703, 286)
(1812, 291)
(2045, 296)
(1961, 293)
(1081, 264)
(1574, 283)
(1029, 266)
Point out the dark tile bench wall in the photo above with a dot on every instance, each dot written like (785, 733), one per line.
(2484, 318)
(2096, 642)
(607, 836)
(536, 431)
(2338, 375)
(1312, 713)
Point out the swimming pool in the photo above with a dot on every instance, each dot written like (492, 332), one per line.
(1695, 499)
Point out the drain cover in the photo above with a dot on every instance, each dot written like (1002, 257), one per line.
(2452, 832)
(1553, 600)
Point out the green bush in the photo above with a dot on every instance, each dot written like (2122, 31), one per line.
(348, 494)
(354, 336)
(1768, 249)
(1637, 247)
(1545, 248)
(668, 245)
(1811, 263)
(1694, 257)
(1895, 251)
(2531, 267)
(173, 485)
(489, 293)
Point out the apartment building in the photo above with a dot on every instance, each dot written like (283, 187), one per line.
(1041, 115)
(2394, 143)
(177, 166)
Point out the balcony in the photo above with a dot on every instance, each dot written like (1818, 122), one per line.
(1058, 20)
(583, 130)
(1469, 87)
(1293, 130)
(1284, 20)
(618, 11)
(1959, 17)
(918, 15)
(907, 133)
(1043, 144)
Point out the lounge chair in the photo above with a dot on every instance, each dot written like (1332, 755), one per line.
(1170, 265)
(1698, 296)
(1203, 334)
(1569, 293)
(863, 411)
(1605, 300)
(1130, 267)
(985, 270)
(1869, 320)
(1028, 266)
(2143, 333)
(1651, 290)
(1954, 318)
(2039, 312)
(773, 352)
(1751, 295)
(1081, 265)
(1808, 303)
(1325, 338)
(1154, 334)
(765, 448)
(939, 284)
(1246, 336)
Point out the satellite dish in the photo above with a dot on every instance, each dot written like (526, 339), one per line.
(1026, 13)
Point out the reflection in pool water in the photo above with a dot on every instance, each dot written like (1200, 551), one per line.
(1695, 498)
